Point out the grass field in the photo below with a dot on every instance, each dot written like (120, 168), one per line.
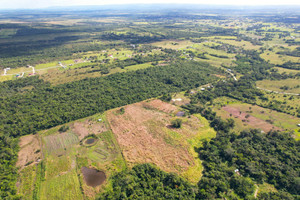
(272, 118)
(286, 85)
(274, 58)
(288, 103)
(65, 187)
(288, 71)
(27, 177)
(173, 44)
(243, 44)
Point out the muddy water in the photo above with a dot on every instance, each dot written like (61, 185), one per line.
(90, 141)
(93, 177)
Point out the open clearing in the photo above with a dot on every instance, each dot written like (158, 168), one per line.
(58, 175)
(287, 85)
(29, 151)
(145, 135)
(249, 119)
(173, 44)
(257, 117)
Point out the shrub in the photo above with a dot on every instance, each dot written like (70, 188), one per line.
(176, 123)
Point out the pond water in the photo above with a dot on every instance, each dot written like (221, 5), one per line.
(93, 177)
(90, 141)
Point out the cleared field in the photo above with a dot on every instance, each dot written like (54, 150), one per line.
(59, 141)
(288, 71)
(145, 135)
(243, 44)
(257, 117)
(289, 103)
(57, 174)
(65, 187)
(56, 76)
(29, 151)
(249, 119)
(84, 128)
(274, 58)
(286, 85)
(173, 44)
(57, 165)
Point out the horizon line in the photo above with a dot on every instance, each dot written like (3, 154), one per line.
(171, 4)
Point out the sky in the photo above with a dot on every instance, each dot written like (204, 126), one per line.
(32, 4)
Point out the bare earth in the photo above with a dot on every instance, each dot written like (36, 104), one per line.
(28, 146)
(83, 129)
(252, 121)
(162, 106)
(141, 133)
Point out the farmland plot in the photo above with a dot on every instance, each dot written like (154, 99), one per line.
(60, 141)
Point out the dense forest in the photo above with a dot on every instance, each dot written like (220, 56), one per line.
(148, 182)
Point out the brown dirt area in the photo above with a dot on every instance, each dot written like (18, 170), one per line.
(83, 129)
(142, 133)
(252, 121)
(29, 145)
(162, 106)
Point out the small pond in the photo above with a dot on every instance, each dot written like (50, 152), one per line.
(90, 141)
(93, 177)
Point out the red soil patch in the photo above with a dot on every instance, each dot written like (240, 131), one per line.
(29, 145)
(252, 121)
(141, 133)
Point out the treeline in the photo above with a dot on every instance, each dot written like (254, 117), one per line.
(294, 53)
(36, 53)
(243, 90)
(104, 66)
(290, 65)
(148, 182)
(48, 106)
(132, 38)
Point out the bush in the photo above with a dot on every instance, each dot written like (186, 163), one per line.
(63, 129)
(176, 123)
